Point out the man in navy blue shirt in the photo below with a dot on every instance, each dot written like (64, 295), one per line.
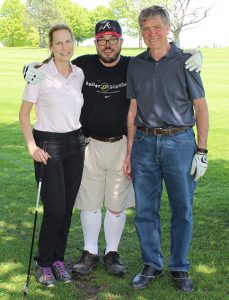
(162, 147)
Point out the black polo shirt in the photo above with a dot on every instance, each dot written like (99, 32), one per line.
(105, 105)
(164, 89)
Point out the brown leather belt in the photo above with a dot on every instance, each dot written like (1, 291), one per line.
(109, 140)
(162, 131)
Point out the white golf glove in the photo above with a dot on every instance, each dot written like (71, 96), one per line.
(195, 61)
(31, 74)
(199, 165)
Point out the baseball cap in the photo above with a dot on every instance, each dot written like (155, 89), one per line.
(108, 27)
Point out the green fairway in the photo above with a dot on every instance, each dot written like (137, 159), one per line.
(209, 253)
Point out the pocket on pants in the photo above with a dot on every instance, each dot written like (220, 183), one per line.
(54, 148)
(139, 136)
(77, 142)
(184, 136)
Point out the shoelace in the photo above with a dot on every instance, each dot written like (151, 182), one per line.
(60, 267)
(114, 256)
(182, 274)
(47, 272)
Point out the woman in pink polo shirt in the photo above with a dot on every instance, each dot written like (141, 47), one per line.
(58, 101)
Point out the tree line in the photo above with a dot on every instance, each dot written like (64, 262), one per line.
(27, 23)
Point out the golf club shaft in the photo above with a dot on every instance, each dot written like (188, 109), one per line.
(34, 225)
(31, 251)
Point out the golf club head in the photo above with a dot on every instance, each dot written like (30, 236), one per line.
(26, 288)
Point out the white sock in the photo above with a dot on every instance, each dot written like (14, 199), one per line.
(91, 224)
(113, 228)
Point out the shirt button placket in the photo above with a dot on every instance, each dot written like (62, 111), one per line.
(67, 86)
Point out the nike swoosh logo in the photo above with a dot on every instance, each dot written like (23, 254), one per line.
(107, 96)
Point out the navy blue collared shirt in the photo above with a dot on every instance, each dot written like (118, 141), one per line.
(164, 89)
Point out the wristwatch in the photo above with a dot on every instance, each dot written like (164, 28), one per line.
(201, 150)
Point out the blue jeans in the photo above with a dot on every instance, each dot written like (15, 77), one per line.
(154, 159)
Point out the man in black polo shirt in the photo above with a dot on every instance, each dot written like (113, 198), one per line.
(162, 146)
(104, 119)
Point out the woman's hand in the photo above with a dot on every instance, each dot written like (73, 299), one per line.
(38, 154)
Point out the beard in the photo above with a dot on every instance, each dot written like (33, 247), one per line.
(108, 59)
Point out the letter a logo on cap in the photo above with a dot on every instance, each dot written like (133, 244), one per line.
(107, 25)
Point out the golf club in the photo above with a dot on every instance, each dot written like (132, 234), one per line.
(26, 287)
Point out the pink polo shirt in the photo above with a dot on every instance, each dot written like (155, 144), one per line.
(58, 100)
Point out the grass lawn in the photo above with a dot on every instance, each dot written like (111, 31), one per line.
(209, 249)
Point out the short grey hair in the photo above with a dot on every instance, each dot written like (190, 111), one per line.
(151, 12)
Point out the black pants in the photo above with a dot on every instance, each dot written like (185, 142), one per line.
(61, 180)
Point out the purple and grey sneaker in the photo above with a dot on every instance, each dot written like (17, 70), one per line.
(44, 276)
(60, 273)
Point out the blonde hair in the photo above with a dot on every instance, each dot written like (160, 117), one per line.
(50, 36)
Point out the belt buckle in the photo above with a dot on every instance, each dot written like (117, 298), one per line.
(155, 131)
(112, 139)
(115, 139)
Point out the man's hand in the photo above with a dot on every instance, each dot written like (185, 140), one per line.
(127, 167)
(31, 74)
(199, 165)
(195, 61)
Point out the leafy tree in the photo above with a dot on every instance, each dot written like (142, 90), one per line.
(12, 29)
(98, 14)
(77, 17)
(80, 23)
(42, 14)
(127, 11)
